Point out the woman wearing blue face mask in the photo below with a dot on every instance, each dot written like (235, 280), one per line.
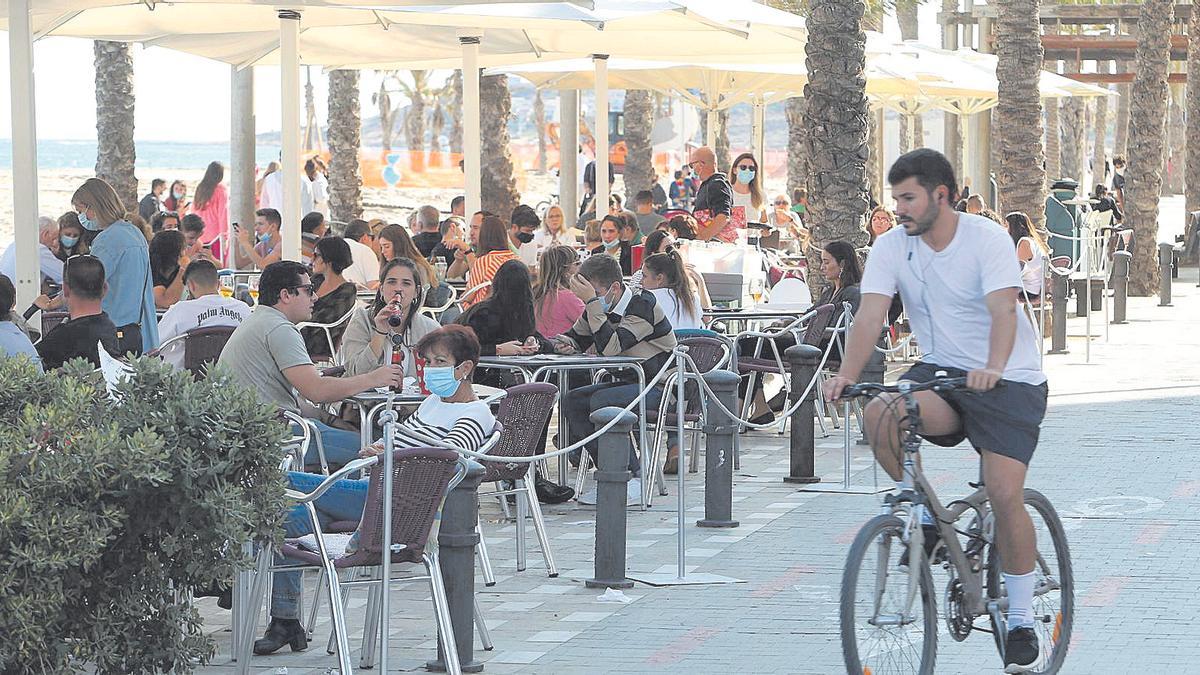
(71, 239)
(452, 414)
(129, 300)
(611, 243)
(748, 199)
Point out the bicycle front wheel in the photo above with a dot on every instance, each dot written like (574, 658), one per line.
(883, 631)
(1054, 592)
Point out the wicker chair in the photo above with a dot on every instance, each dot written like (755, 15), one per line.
(523, 414)
(420, 480)
(201, 347)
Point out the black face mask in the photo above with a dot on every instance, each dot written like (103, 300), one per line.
(525, 237)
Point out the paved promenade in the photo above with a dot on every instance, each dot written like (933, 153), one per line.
(1117, 458)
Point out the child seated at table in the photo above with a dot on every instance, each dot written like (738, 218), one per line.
(453, 414)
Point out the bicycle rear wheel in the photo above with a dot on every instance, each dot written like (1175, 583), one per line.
(881, 632)
(1054, 593)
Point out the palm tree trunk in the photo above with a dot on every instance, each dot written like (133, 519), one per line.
(499, 189)
(455, 105)
(1021, 179)
(722, 149)
(639, 157)
(1147, 136)
(539, 123)
(912, 133)
(345, 135)
(1121, 136)
(383, 102)
(1192, 183)
(837, 116)
(1072, 125)
(414, 121)
(115, 151)
(1100, 127)
(1177, 141)
(797, 155)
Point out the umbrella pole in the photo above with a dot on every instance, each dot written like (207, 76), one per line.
(471, 144)
(600, 61)
(24, 149)
(289, 79)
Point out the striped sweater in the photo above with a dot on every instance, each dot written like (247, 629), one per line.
(636, 328)
(463, 425)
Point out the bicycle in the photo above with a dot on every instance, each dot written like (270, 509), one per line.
(885, 627)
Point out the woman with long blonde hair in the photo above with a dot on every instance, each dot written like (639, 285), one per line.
(555, 307)
(554, 230)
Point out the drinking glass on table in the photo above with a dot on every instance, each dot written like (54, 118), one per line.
(756, 289)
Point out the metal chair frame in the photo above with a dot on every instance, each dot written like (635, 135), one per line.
(335, 356)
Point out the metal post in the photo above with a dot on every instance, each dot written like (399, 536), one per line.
(1164, 274)
(471, 135)
(568, 155)
(289, 79)
(241, 165)
(1058, 314)
(719, 432)
(710, 137)
(1085, 248)
(1120, 284)
(600, 131)
(612, 485)
(457, 539)
(804, 360)
(24, 152)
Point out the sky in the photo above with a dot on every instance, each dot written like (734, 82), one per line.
(183, 97)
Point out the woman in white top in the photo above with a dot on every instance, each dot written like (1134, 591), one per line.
(554, 230)
(747, 191)
(664, 275)
(1031, 252)
(365, 345)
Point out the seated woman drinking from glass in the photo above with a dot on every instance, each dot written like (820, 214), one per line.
(453, 413)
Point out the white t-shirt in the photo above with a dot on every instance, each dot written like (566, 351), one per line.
(679, 317)
(944, 294)
(743, 209)
(366, 264)
(202, 312)
(528, 253)
(272, 194)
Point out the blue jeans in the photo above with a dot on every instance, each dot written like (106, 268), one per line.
(345, 500)
(341, 446)
(582, 402)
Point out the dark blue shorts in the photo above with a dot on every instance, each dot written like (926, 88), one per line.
(1006, 420)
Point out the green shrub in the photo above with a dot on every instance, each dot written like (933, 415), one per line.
(110, 510)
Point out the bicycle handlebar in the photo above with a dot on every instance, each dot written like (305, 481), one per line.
(936, 384)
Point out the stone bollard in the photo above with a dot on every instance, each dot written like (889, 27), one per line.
(1165, 251)
(874, 371)
(804, 360)
(1120, 283)
(719, 432)
(1081, 297)
(1058, 313)
(457, 539)
(612, 483)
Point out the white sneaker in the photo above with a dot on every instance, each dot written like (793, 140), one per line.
(633, 492)
(588, 498)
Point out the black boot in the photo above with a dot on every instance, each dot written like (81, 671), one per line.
(549, 492)
(282, 632)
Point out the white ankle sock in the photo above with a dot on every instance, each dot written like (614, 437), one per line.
(1020, 599)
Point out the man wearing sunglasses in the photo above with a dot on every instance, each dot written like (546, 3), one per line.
(714, 199)
(266, 353)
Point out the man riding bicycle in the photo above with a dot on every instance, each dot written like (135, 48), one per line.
(959, 278)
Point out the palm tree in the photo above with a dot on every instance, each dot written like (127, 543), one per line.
(1100, 126)
(797, 147)
(1176, 141)
(1018, 116)
(1121, 137)
(115, 152)
(383, 101)
(1072, 123)
(499, 189)
(639, 153)
(1192, 182)
(837, 117)
(1147, 138)
(454, 103)
(345, 135)
(906, 16)
(539, 123)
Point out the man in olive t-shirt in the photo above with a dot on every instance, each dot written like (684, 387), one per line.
(266, 353)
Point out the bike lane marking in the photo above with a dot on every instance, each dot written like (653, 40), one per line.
(676, 650)
(1152, 533)
(1104, 591)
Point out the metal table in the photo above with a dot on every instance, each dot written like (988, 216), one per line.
(761, 313)
(371, 402)
(538, 367)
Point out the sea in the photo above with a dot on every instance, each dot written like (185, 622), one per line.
(81, 154)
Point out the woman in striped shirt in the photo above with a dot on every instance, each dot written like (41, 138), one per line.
(453, 414)
(494, 251)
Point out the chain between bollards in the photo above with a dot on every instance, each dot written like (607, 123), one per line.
(612, 489)
(719, 433)
(804, 361)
